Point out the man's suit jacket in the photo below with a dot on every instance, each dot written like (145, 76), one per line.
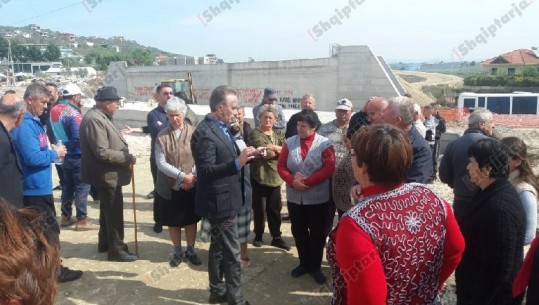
(105, 158)
(10, 170)
(246, 131)
(219, 183)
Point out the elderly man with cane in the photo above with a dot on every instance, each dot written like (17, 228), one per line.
(106, 163)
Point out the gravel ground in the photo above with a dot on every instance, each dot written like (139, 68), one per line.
(150, 280)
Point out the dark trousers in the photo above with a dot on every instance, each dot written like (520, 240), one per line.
(111, 221)
(308, 228)
(60, 172)
(435, 151)
(224, 260)
(340, 214)
(331, 210)
(533, 285)
(94, 193)
(153, 169)
(266, 202)
(45, 205)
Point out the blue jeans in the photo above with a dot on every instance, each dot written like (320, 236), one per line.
(73, 189)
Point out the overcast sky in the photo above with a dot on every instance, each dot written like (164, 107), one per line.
(234, 30)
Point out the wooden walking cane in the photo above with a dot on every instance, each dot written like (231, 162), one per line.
(134, 205)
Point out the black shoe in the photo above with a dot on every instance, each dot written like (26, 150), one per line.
(57, 188)
(127, 257)
(280, 243)
(157, 228)
(285, 217)
(257, 242)
(193, 259)
(298, 271)
(150, 195)
(68, 275)
(103, 249)
(175, 261)
(216, 298)
(319, 277)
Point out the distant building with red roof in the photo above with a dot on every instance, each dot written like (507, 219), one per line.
(511, 63)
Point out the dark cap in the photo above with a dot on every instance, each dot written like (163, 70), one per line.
(106, 94)
(271, 93)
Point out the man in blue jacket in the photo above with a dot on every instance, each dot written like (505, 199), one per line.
(36, 157)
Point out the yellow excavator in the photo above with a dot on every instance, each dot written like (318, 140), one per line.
(182, 85)
(183, 88)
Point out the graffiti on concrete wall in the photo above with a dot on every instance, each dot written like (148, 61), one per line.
(202, 94)
(253, 96)
(144, 91)
(250, 96)
(289, 102)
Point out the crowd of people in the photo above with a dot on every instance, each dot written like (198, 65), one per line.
(394, 240)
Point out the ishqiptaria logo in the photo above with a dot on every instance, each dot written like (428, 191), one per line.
(91, 4)
(467, 46)
(3, 2)
(340, 14)
(213, 11)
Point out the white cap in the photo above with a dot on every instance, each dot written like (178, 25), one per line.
(417, 108)
(70, 90)
(344, 104)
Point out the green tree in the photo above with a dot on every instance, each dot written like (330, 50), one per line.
(530, 71)
(70, 62)
(3, 47)
(90, 58)
(33, 53)
(52, 53)
(141, 57)
(20, 53)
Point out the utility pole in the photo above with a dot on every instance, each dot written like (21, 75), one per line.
(10, 77)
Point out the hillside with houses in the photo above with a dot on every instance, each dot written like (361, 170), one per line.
(33, 44)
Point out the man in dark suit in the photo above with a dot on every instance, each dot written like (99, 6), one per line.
(307, 102)
(12, 109)
(219, 196)
(245, 127)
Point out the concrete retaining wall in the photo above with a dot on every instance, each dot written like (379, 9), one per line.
(354, 73)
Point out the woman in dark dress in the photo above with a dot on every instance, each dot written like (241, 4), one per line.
(493, 224)
(176, 179)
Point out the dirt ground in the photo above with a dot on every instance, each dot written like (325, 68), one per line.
(150, 280)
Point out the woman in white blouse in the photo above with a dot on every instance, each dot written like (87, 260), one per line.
(522, 178)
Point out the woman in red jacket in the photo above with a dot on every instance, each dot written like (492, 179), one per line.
(400, 242)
